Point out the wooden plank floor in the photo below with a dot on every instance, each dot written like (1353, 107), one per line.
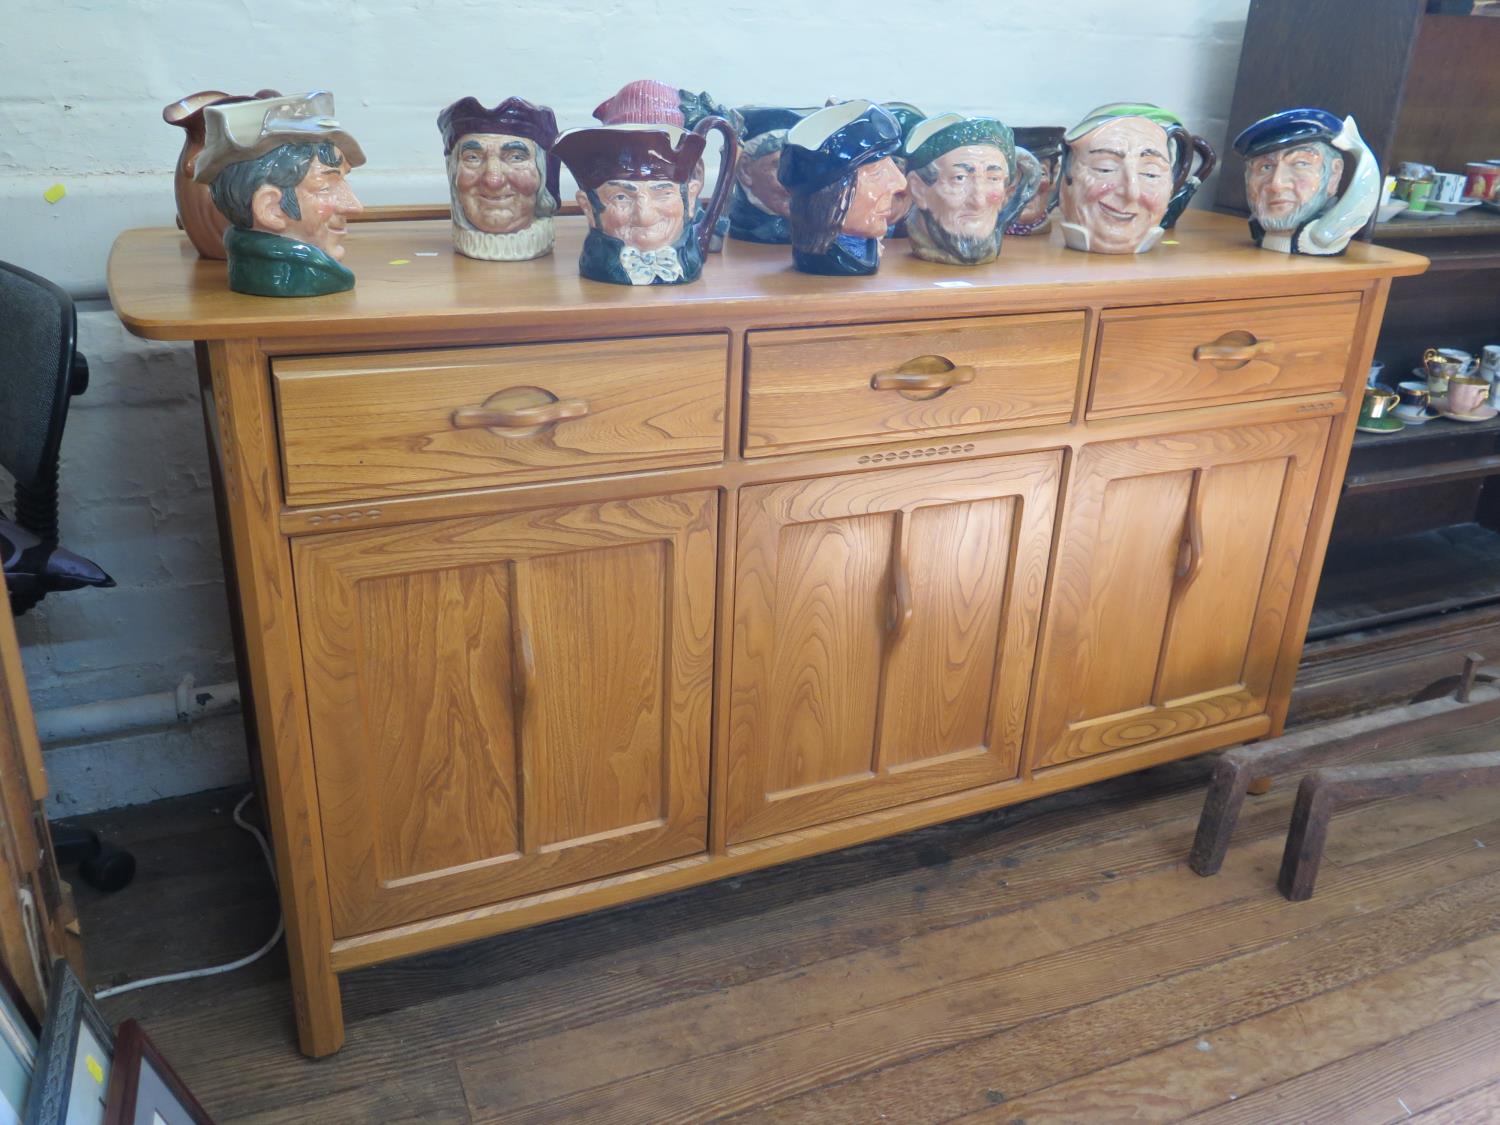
(1052, 962)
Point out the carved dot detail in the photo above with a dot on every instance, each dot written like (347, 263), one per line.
(912, 454)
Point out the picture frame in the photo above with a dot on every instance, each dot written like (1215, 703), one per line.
(73, 1059)
(143, 1087)
(18, 1049)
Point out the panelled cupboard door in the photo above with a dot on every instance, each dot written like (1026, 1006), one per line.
(885, 629)
(504, 704)
(1175, 567)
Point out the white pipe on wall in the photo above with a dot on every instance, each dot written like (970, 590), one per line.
(111, 717)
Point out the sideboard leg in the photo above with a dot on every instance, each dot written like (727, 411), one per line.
(1221, 809)
(244, 438)
(319, 1008)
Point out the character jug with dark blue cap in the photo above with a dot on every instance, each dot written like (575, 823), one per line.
(844, 187)
(1301, 200)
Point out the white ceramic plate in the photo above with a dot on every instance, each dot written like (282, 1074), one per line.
(1410, 214)
(1389, 211)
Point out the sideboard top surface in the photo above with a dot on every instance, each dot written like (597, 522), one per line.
(412, 282)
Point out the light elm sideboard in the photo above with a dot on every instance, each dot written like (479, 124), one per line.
(557, 595)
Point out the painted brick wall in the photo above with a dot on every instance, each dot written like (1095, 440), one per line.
(82, 84)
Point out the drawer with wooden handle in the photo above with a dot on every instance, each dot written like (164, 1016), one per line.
(823, 388)
(372, 427)
(1166, 358)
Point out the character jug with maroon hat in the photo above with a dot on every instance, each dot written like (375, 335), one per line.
(638, 189)
(502, 180)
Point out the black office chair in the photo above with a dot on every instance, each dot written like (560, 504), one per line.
(40, 370)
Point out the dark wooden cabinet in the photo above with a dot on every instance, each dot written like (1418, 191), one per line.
(1412, 576)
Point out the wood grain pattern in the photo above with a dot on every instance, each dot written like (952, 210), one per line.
(1147, 361)
(244, 438)
(507, 704)
(812, 388)
(1139, 643)
(369, 427)
(884, 631)
(162, 290)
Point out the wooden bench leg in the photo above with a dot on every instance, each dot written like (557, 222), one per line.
(1324, 790)
(1221, 810)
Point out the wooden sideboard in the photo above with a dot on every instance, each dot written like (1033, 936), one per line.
(556, 595)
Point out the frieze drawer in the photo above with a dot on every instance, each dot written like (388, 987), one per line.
(1227, 351)
(823, 388)
(369, 427)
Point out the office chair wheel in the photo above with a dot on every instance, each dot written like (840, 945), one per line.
(108, 871)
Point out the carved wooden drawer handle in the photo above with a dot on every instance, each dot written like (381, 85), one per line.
(1233, 348)
(899, 615)
(519, 417)
(924, 373)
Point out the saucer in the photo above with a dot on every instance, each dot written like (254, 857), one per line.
(1385, 425)
(1483, 414)
(1418, 417)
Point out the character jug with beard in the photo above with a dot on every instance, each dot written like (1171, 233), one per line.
(1310, 180)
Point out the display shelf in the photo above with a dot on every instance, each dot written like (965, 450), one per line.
(1435, 430)
(1476, 222)
(1439, 472)
(1410, 577)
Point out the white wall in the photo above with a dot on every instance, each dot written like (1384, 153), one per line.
(82, 84)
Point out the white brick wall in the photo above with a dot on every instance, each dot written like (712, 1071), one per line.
(82, 83)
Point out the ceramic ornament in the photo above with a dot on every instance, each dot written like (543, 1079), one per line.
(761, 209)
(201, 221)
(967, 180)
(277, 169)
(502, 182)
(1301, 200)
(1126, 174)
(649, 102)
(844, 187)
(638, 189)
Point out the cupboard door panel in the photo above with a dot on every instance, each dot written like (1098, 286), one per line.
(500, 705)
(444, 639)
(939, 677)
(1176, 562)
(885, 628)
(598, 692)
(831, 577)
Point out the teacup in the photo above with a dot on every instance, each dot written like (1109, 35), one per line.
(1443, 364)
(1378, 402)
(1466, 394)
(1414, 399)
(1489, 366)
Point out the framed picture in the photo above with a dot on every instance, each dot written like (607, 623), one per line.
(18, 1044)
(72, 1059)
(144, 1089)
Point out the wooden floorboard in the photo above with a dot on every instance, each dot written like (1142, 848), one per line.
(1056, 961)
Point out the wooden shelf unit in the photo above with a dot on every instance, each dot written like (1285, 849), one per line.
(1421, 89)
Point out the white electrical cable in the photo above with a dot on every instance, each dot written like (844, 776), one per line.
(213, 970)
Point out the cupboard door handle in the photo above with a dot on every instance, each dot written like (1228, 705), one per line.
(1190, 555)
(1233, 348)
(519, 417)
(523, 679)
(925, 373)
(898, 617)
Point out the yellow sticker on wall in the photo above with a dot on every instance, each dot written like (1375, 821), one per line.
(54, 193)
(95, 1070)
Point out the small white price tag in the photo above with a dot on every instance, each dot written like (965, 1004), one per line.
(954, 284)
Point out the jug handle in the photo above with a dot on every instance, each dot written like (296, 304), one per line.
(722, 185)
(1031, 175)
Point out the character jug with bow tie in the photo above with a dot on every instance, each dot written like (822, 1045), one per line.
(638, 188)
